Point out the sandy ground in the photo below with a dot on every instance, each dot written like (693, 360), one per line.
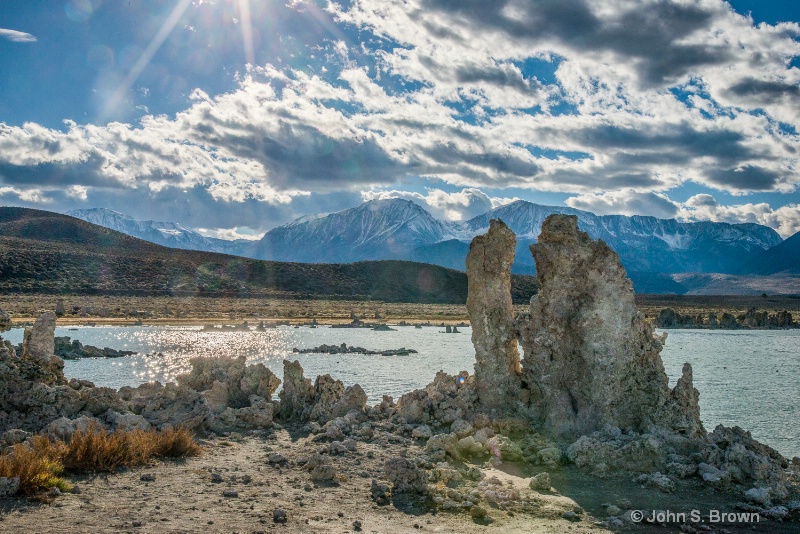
(183, 498)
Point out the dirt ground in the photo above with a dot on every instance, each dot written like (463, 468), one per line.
(183, 497)
(234, 487)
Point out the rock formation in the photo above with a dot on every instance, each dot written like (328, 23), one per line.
(38, 347)
(591, 360)
(323, 401)
(497, 365)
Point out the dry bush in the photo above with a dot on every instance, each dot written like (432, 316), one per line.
(176, 443)
(40, 463)
(100, 450)
(37, 464)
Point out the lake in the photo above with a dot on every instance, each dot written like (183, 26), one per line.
(747, 378)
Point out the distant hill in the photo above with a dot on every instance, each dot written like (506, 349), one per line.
(46, 252)
(783, 258)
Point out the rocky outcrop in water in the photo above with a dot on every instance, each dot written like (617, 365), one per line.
(38, 347)
(592, 375)
(497, 366)
(669, 318)
(345, 349)
(72, 349)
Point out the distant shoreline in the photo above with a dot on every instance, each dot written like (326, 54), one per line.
(200, 311)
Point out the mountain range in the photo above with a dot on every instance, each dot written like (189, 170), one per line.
(45, 252)
(168, 234)
(654, 251)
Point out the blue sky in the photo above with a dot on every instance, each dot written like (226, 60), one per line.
(235, 116)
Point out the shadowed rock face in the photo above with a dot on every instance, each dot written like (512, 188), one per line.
(591, 360)
(497, 365)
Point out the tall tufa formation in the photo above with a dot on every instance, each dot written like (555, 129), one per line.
(591, 360)
(38, 346)
(497, 365)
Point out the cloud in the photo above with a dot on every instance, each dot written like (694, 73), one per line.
(626, 202)
(231, 234)
(615, 103)
(702, 207)
(31, 195)
(785, 219)
(457, 206)
(17, 36)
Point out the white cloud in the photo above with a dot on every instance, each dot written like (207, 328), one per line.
(785, 219)
(231, 233)
(34, 195)
(702, 207)
(17, 36)
(78, 192)
(625, 101)
(626, 202)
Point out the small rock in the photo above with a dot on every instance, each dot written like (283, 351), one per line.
(541, 482)
(216, 478)
(137, 524)
(758, 495)
(323, 473)
(777, 512)
(277, 458)
(613, 510)
(550, 457)
(8, 486)
(76, 490)
(231, 494)
(148, 477)
(54, 492)
(422, 432)
(477, 512)
(569, 515)
(625, 504)
(357, 525)
(279, 516)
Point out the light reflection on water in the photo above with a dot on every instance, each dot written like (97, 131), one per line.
(745, 378)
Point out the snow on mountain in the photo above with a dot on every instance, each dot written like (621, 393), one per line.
(400, 229)
(644, 243)
(169, 234)
(377, 229)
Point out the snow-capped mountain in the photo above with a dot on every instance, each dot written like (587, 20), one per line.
(400, 229)
(377, 229)
(169, 234)
(644, 243)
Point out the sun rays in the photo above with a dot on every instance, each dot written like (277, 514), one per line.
(119, 95)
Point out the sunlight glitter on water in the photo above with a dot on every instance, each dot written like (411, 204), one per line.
(745, 378)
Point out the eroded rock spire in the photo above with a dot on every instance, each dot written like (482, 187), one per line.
(497, 365)
(591, 360)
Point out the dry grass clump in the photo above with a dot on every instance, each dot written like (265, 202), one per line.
(40, 463)
(37, 464)
(101, 450)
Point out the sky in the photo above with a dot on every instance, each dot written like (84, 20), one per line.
(235, 116)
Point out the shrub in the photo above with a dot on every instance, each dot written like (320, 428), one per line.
(37, 464)
(40, 463)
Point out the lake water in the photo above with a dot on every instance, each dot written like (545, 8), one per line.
(745, 378)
